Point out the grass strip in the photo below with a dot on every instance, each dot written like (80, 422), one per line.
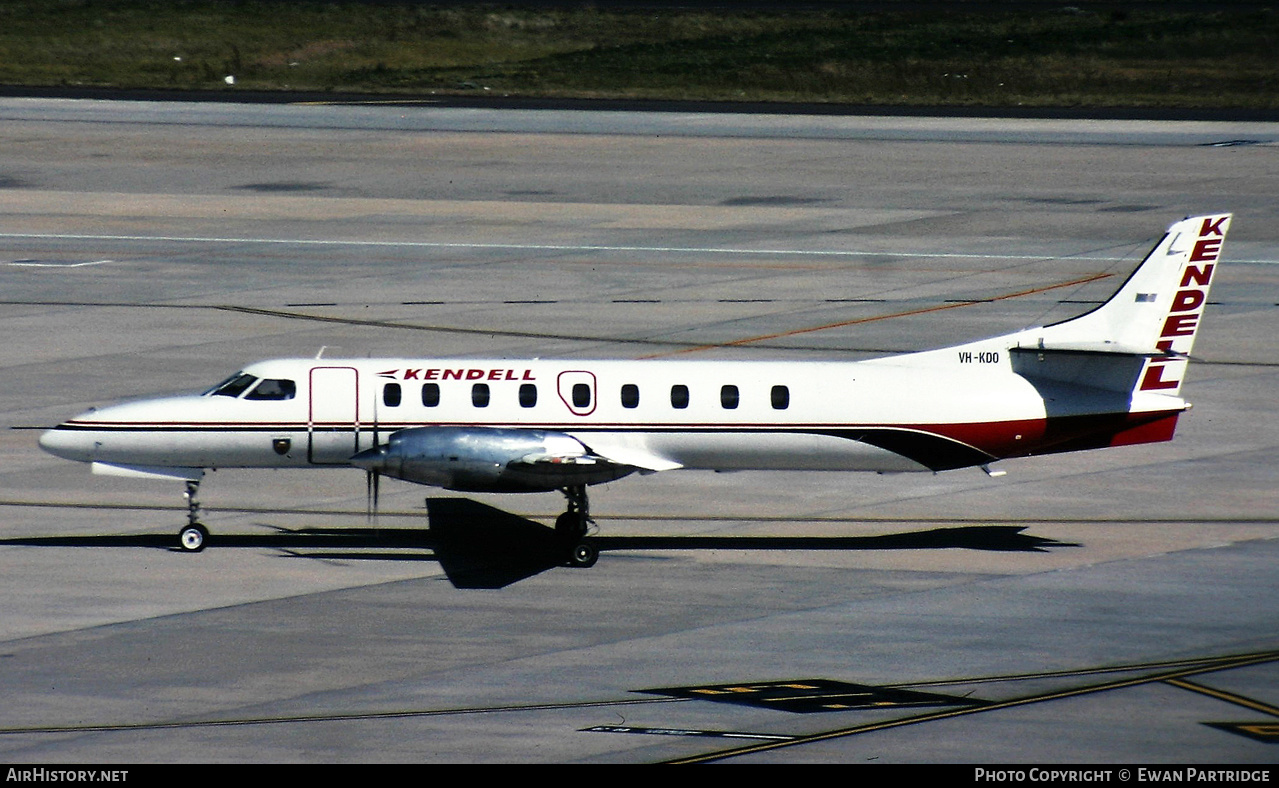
(1140, 55)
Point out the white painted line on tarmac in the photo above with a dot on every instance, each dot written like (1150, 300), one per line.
(38, 264)
(537, 247)
(571, 248)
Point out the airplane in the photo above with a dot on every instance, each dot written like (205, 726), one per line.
(1109, 377)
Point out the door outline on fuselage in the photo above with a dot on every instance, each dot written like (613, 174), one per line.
(333, 409)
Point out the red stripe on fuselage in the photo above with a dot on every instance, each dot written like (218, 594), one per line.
(1060, 433)
(1017, 438)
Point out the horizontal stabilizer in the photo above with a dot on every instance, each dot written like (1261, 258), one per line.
(1093, 348)
(1109, 371)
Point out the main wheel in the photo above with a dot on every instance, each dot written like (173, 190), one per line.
(583, 555)
(193, 538)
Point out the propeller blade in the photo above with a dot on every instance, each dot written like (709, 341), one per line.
(374, 480)
(372, 491)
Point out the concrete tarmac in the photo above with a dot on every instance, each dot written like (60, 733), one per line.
(1112, 607)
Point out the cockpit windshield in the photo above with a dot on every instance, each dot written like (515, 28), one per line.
(233, 386)
(260, 389)
(273, 389)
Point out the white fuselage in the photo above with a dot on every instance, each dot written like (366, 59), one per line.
(882, 415)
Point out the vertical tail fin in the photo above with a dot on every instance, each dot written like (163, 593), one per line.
(1157, 311)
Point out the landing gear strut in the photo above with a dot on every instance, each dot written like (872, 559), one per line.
(193, 537)
(572, 526)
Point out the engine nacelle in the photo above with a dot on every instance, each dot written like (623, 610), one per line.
(488, 459)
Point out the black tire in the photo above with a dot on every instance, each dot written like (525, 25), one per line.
(570, 526)
(193, 538)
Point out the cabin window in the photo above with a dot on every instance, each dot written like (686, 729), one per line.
(630, 396)
(528, 395)
(273, 389)
(780, 397)
(391, 395)
(480, 395)
(581, 395)
(430, 395)
(679, 396)
(233, 386)
(729, 397)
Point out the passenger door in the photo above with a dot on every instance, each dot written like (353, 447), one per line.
(333, 428)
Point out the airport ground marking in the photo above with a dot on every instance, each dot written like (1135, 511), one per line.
(46, 264)
(1211, 665)
(809, 696)
(1228, 697)
(1179, 670)
(337, 717)
(683, 518)
(562, 247)
(1057, 674)
(543, 247)
(693, 732)
(685, 345)
(892, 315)
(1267, 732)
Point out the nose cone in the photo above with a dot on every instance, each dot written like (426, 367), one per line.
(68, 443)
(374, 459)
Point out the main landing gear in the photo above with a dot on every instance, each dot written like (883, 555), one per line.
(193, 537)
(572, 526)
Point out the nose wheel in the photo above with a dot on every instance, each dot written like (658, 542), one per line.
(194, 537)
(572, 526)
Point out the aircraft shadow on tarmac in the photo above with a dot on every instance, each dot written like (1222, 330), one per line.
(479, 546)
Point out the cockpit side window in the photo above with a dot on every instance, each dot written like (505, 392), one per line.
(233, 386)
(273, 389)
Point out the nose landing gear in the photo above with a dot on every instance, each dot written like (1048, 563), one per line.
(193, 537)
